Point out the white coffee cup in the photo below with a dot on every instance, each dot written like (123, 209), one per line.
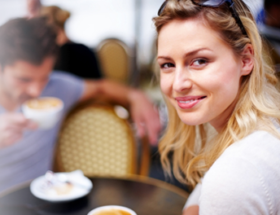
(45, 114)
(98, 210)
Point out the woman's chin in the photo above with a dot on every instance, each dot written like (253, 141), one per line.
(192, 122)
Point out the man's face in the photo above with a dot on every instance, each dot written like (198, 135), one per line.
(22, 80)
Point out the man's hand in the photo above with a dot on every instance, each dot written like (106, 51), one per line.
(144, 115)
(12, 126)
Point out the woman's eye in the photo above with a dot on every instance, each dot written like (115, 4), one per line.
(166, 65)
(199, 62)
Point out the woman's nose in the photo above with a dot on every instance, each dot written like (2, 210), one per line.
(182, 80)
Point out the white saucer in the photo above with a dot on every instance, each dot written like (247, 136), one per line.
(81, 187)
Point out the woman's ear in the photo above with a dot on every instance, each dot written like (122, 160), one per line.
(247, 60)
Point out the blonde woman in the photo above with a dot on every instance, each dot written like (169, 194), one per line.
(213, 71)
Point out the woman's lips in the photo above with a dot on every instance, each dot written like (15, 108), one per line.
(189, 101)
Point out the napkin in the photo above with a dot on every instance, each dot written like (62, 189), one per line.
(58, 184)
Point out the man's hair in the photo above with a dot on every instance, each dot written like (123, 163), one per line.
(30, 40)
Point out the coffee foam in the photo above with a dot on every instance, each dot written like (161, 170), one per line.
(43, 103)
(111, 212)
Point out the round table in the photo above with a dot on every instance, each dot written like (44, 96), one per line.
(146, 196)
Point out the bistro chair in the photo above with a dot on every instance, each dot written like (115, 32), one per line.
(115, 60)
(99, 140)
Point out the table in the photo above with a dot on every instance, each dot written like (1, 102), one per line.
(146, 196)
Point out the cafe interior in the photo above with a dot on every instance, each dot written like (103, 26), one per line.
(98, 148)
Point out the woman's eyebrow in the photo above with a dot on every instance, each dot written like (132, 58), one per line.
(164, 57)
(193, 52)
(190, 53)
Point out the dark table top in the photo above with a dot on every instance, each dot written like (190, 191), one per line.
(145, 196)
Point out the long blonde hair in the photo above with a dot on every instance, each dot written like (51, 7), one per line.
(258, 100)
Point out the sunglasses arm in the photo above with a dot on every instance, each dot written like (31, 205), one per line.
(236, 17)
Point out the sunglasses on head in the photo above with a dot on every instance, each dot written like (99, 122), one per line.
(214, 3)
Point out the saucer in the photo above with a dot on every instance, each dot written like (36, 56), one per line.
(80, 186)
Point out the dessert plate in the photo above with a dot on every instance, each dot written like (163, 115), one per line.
(61, 187)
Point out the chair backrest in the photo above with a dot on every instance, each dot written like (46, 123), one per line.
(115, 60)
(96, 140)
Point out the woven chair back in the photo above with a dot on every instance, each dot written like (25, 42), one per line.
(114, 60)
(97, 141)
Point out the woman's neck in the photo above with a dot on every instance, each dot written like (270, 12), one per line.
(62, 38)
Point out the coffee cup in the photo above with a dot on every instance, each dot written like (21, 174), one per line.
(112, 210)
(45, 111)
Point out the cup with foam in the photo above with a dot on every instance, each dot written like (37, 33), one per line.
(112, 210)
(45, 111)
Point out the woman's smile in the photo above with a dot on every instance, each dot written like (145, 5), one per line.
(189, 102)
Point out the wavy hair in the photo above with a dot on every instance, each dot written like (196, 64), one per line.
(258, 100)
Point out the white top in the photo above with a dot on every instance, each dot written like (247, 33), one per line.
(245, 179)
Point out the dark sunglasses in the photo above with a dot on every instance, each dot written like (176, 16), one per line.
(214, 3)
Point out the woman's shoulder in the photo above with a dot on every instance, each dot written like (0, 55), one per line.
(71, 46)
(257, 139)
(259, 151)
(247, 174)
(256, 147)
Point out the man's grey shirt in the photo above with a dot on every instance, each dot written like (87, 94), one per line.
(32, 156)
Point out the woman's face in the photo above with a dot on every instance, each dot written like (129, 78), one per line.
(199, 75)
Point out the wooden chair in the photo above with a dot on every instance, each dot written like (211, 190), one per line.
(115, 60)
(96, 140)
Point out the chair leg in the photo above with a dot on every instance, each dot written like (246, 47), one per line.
(145, 157)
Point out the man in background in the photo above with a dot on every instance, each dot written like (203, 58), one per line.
(27, 55)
